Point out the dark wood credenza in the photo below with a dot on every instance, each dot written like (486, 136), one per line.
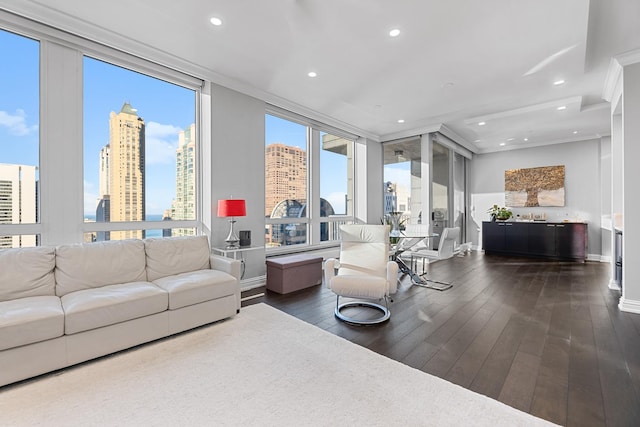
(555, 240)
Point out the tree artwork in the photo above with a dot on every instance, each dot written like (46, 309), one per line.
(543, 186)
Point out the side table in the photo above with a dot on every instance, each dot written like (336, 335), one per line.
(235, 253)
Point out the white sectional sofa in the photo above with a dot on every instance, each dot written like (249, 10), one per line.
(67, 304)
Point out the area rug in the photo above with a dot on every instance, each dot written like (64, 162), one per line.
(259, 368)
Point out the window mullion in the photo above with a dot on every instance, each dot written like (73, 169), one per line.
(313, 198)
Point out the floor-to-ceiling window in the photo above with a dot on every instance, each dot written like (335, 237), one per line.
(441, 190)
(336, 184)
(19, 140)
(309, 176)
(425, 181)
(403, 179)
(140, 152)
(96, 144)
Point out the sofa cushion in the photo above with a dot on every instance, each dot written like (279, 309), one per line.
(93, 308)
(93, 265)
(26, 272)
(174, 255)
(27, 320)
(197, 286)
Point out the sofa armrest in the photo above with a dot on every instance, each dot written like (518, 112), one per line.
(228, 265)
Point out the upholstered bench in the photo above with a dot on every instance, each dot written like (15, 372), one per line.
(292, 273)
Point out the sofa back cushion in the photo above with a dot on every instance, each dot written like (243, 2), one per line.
(175, 255)
(27, 272)
(93, 265)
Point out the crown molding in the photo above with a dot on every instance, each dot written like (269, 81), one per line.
(613, 81)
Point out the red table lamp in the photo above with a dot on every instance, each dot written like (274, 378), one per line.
(232, 208)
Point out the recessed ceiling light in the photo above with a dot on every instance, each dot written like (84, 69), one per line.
(394, 33)
(510, 139)
(502, 144)
(216, 21)
(562, 107)
(312, 74)
(575, 131)
(400, 120)
(526, 139)
(481, 123)
(558, 82)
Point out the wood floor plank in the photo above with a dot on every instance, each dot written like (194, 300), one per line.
(467, 366)
(621, 404)
(584, 401)
(449, 353)
(550, 395)
(494, 371)
(520, 383)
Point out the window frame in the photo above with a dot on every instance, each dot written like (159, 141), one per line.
(312, 219)
(61, 167)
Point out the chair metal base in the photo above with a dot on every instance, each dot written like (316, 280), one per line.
(383, 318)
(434, 284)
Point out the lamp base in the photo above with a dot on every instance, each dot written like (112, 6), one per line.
(232, 244)
(232, 240)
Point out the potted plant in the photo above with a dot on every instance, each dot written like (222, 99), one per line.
(500, 213)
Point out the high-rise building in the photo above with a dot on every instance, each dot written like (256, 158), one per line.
(184, 205)
(123, 172)
(103, 215)
(18, 202)
(104, 171)
(285, 175)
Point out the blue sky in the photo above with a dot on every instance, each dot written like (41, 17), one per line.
(19, 87)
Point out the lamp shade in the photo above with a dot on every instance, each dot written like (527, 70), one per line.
(232, 207)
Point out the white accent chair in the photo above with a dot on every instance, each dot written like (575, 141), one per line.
(446, 249)
(364, 271)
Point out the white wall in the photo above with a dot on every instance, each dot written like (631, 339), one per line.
(605, 198)
(630, 300)
(237, 168)
(582, 185)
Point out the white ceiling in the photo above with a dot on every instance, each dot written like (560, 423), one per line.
(454, 64)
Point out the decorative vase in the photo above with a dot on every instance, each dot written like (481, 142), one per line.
(394, 219)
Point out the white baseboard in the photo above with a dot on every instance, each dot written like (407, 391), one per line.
(629, 306)
(254, 282)
(614, 285)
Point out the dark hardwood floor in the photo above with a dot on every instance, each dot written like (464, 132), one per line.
(545, 337)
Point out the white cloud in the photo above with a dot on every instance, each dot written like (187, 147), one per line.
(160, 131)
(161, 142)
(16, 124)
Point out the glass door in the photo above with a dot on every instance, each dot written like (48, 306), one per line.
(440, 191)
(459, 195)
(402, 180)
